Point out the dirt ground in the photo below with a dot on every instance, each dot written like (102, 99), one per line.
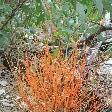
(10, 101)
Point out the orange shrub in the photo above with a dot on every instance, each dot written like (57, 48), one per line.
(57, 84)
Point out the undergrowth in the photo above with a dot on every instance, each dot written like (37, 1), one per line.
(57, 84)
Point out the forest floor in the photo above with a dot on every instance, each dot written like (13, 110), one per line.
(10, 101)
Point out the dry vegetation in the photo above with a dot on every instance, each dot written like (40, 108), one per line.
(57, 84)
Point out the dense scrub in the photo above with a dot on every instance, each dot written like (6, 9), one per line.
(59, 84)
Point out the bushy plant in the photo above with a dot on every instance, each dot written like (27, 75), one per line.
(56, 84)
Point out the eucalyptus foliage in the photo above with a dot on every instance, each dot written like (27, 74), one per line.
(74, 19)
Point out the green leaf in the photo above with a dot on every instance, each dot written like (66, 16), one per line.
(92, 29)
(49, 1)
(4, 39)
(99, 5)
(80, 9)
(25, 8)
(7, 8)
(71, 22)
(2, 18)
(101, 38)
(1, 2)
(109, 51)
(63, 32)
(40, 13)
(73, 2)
(107, 4)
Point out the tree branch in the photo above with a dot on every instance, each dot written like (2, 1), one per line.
(19, 5)
(93, 36)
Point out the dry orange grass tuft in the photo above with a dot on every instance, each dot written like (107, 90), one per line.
(57, 84)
